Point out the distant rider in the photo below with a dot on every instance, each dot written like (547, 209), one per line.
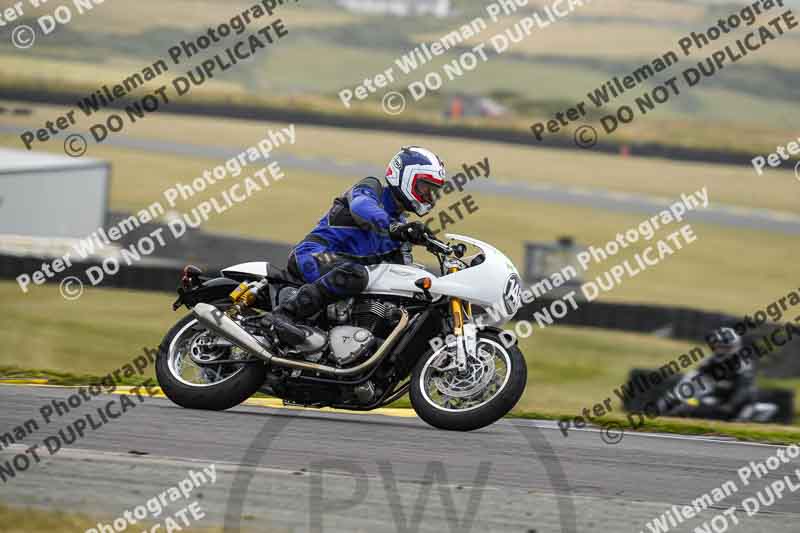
(729, 380)
(733, 377)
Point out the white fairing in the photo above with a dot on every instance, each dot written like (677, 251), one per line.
(494, 284)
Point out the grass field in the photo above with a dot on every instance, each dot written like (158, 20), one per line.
(18, 519)
(633, 32)
(36, 520)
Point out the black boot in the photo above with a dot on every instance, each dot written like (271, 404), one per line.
(306, 302)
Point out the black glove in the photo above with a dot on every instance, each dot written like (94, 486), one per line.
(413, 232)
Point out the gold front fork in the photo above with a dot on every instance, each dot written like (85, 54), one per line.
(458, 316)
(458, 309)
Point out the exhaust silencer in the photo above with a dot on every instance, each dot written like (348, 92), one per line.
(221, 324)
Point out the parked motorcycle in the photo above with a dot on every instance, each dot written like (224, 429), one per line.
(361, 353)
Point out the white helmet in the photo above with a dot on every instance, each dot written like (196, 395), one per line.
(724, 341)
(414, 175)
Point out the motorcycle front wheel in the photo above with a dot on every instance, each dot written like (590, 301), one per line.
(490, 387)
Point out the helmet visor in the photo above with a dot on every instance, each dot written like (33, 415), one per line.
(424, 188)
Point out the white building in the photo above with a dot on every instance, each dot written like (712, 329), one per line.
(49, 195)
(400, 8)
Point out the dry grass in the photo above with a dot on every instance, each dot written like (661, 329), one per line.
(611, 39)
(17, 519)
(125, 18)
(33, 520)
(703, 275)
(654, 10)
(726, 184)
(614, 31)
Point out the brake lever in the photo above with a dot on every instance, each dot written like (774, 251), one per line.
(438, 245)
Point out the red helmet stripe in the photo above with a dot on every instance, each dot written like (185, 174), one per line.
(431, 177)
(428, 177)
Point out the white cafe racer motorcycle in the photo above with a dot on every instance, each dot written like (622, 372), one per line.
(410, 332)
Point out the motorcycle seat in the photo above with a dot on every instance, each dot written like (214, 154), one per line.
(282, 276)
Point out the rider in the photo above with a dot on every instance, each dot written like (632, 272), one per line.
(366, 225)
(734, 379)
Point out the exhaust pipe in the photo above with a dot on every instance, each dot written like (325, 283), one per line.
(221, 324)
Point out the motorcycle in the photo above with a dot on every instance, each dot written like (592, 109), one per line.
(433, 337)
(696, 395)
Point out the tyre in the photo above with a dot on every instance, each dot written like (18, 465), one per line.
(783, 399)
(490, 387)
(194, 386)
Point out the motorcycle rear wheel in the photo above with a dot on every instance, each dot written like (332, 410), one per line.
(219, 387)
